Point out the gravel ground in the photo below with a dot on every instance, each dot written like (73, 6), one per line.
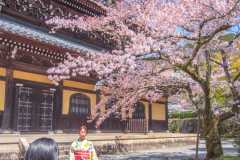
(179, 153)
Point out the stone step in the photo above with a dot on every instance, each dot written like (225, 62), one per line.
(64, 143)
(62, 153)
(64, 148)
(63, 157)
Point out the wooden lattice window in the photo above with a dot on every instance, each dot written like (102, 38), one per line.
(109, 105)
(79, 105)
(139, 112)
(35, 109)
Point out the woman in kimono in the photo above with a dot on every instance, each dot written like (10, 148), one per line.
(82, 149)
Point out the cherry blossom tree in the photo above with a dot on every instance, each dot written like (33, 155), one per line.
(162, 47)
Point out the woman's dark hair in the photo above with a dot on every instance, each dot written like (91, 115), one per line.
(42, 149)
(83, 127)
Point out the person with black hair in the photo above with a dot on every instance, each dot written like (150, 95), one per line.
(42, 149)
(82, 149)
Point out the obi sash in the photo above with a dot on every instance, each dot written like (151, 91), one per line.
(82, 155)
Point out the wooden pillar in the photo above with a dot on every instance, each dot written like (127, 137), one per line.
(150, 116)
(57, 112)
(15, 107)
(98, 130)
(8, 102)
(166, 110)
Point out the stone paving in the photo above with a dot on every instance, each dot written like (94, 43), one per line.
(180, 153)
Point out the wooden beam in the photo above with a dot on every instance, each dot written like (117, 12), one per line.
(79, 90)
(85, 79)
(25, 67)
(2, 78)
(28, 83)
(5, 63)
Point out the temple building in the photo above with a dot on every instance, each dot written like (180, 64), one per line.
(29, 101)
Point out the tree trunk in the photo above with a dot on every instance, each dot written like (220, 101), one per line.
(213, 141)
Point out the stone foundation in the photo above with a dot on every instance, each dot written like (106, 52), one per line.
(121, 146)
(104, 143)
(7, 155)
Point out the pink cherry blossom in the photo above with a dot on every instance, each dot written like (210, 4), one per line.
(162, 48)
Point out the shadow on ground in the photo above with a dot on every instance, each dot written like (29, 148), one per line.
(112, 149)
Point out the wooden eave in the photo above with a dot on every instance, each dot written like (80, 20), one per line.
(85, 6)
(33, 46)
(30, 47)
(38, 11)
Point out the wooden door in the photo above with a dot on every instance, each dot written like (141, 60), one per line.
(35, 109)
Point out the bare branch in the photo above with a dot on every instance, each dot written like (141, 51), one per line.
(149, 58)
(219, 29)
(225, 116)
(207, 20)
(196, 103)
(188, 38)
(225, 66)
(187, 29)
(235, 92)
(197, 48)
(236, 77)
(199, 44)
(218, 63)
(190, 94)
(212, 9)
(192, 74)
(196, 69)
(236, 36)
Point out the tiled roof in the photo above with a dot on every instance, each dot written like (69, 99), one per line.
(41, 36)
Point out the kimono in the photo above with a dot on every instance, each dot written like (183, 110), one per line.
(84, 145)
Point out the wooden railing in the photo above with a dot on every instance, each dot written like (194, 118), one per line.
(136, 126)
(73, 122)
